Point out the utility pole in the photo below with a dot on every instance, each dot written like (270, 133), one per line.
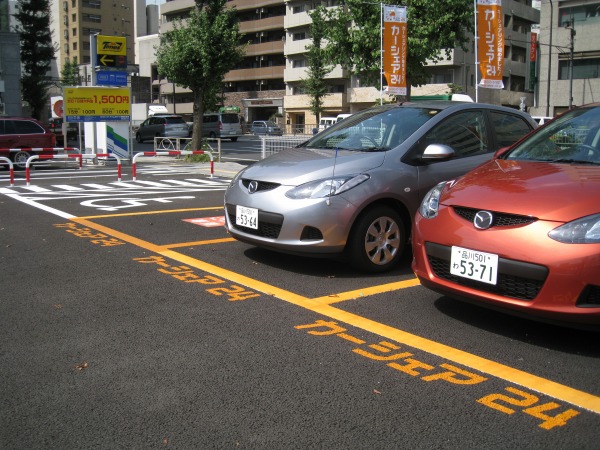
(549, 60)
(571, 27)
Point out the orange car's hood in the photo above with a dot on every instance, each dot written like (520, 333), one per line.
(557, 192)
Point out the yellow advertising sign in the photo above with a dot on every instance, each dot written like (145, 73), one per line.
(111, 45)
(97, 104)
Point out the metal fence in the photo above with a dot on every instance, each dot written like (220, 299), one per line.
(274, 144)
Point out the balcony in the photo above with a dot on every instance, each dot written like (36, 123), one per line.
(332, 101)
(300, 73)
(269, 23)
(262, 73)
(265, 48)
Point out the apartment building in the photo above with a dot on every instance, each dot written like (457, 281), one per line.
(569, 70)
(257, 85)
(269, 81)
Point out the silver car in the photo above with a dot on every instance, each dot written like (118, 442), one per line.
(266, 127)
(164, 125)
(352, 190)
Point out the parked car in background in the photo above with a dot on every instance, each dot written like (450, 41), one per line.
(353, 189)
(162, 125)
(326, 122)
(266, 127)
(222, 125)
(522, 232)
(22, 133)
(55, 124)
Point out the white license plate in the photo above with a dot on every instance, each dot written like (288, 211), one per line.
(474, 265)
(246, 217)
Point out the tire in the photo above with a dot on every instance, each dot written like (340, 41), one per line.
(138, 138)
(377, 240)
(19, 159)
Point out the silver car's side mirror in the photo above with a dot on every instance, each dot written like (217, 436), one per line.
(437, 152)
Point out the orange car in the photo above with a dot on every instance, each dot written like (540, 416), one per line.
(521, 233)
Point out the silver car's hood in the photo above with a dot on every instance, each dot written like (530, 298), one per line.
(300, 165)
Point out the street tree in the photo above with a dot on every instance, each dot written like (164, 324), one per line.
(69, 75)
(198, 53)
(37, 52)
(318, 65)
(433, 31)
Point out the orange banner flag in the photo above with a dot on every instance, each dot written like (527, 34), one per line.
(490, 43)
(395, 44)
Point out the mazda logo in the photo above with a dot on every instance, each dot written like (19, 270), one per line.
(252, 187)
(483, 220)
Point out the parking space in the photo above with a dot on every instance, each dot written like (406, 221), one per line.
(175, 236)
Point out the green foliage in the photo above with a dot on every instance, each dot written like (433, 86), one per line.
(37, 52)
(198, 53)
(433, 27)
(318, 63)
(69, 75)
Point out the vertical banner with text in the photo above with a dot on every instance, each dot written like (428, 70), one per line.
(395, 44)
(533, 46)
(490, 43)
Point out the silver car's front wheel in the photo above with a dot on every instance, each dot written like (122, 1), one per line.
(377, 240)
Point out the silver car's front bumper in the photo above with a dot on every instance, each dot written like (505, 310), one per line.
(310, 226)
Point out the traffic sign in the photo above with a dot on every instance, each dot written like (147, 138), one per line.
(111, 78)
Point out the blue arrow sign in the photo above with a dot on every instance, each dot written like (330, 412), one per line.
(111, 78)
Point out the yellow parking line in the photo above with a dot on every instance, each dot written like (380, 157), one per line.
(192, 244)
(320, 306)
(360, 293)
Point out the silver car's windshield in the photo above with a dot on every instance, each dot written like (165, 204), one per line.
(376, 129)
(573, 138)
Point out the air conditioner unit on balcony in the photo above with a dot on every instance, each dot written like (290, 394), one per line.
(262, 10)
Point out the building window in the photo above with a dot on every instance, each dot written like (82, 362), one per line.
(299, 36)
(75, 46)
(582, 68)
(297, 63)
(74, 17)
(96, 4)
(95, 18)
(298, 9)
(584, 13)
(74, 31)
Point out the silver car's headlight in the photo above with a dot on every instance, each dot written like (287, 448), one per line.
(431, 202)
(327, 187)
(581, 231)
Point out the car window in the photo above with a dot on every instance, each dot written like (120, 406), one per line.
(572, 137)
(175, 120)
(464, 132)
(230, 118)
(508, 128)
(376, 130)
(27, 127)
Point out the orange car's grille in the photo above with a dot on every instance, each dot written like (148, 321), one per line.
(516, 279)
(500, 219)
(590, 297)
(507, 285)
